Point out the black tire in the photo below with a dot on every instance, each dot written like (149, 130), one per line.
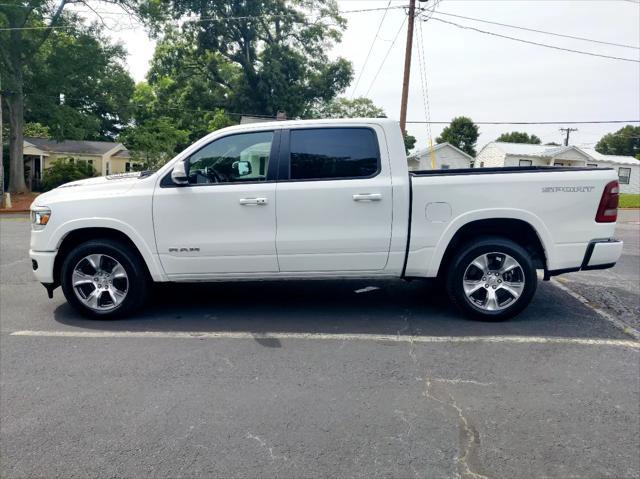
(138, 286)
(466, 254)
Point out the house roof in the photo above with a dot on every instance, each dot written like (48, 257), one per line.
(623, 160)
(426, 151)
(124, 154)
(527, 149)
(73, 146)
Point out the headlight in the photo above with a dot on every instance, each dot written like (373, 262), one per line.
(40, 217)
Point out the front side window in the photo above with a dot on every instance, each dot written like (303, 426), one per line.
(624, 175)
(525, 163)
(333, 153)
(232, 159)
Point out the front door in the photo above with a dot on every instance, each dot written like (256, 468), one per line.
(334, 201)
(224, 220)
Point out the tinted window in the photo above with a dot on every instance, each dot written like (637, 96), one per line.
(232, 159)
(333, 153)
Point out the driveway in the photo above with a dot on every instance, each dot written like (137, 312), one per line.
(310, 379)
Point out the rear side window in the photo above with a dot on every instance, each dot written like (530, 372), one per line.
(325, 153)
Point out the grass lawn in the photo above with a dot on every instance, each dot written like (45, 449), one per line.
(628, 200)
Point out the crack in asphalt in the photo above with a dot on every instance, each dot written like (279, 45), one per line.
(469, 436)
(263, 444)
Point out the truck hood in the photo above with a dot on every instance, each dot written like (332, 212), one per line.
(99, 187)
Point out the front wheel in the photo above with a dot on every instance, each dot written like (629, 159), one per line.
(491, 279)
(104, 279)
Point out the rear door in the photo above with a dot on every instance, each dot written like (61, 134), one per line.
(333, 200)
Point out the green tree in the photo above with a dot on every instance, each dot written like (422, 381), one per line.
(409, 142)
(519, 137)
(346, 108)
(624, 142)
(154, 142)
(265, 56)
(462, 133)
(26, 27)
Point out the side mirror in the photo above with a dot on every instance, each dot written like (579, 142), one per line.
(241, 168)
(179, 174)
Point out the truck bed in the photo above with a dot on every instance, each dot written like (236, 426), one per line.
(502, 170)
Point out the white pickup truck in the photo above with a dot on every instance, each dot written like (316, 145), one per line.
(321, 199)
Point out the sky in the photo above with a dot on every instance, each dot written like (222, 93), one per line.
(481, 76)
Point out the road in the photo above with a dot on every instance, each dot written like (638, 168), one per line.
(311, 379)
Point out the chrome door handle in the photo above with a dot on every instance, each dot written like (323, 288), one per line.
(253, 201)
(367, 197)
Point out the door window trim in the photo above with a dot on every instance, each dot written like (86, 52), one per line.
(284, 159)
(272, 167)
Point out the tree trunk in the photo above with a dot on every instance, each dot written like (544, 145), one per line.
(15, 103)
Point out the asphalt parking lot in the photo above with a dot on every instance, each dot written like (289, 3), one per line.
(316, 379)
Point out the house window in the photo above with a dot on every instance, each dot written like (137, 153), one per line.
(594, 165)
(127, 166)
(558, 164)
(624, 175)
(525, 163)
(444, 167)
(482, 164)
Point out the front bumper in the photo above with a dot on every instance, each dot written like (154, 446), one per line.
(42, 265)
(600, 254)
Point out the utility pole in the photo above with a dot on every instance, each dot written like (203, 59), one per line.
(407, 67)
(568, 130)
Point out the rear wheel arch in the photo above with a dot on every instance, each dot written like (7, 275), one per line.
(516, 230)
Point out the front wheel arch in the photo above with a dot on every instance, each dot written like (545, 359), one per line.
(82, 235)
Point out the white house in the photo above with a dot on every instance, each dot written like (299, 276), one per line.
(498, 154)
(446, 155)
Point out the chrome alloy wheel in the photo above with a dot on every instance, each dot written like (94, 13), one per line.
(493, 281)
(100, 282)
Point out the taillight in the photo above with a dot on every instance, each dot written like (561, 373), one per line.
(608, 209)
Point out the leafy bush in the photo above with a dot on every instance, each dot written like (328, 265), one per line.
(63, 171)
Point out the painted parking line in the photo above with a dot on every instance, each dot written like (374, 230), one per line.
(329, 336)
(625, 328)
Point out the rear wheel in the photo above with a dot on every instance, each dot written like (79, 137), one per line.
(491, 279)
(104, 279)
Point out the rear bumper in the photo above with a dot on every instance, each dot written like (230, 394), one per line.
(42, 265)
(600, 254)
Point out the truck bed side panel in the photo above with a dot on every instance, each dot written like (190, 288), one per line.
(559, 204)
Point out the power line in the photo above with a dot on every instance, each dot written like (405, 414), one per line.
(554, 47)
(226, 19)
(536, 31)
(385, 57)
(422, 62)
(589, 122)
(355, 87)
